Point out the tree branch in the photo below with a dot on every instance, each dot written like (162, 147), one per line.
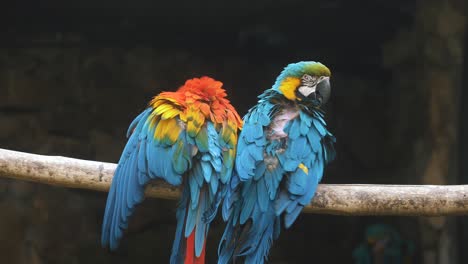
(420, 200)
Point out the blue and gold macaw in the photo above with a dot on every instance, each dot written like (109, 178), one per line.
(282, 151)
(188, 138)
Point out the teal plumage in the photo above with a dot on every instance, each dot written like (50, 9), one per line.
(282, 152)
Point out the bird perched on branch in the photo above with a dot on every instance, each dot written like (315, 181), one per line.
(281, 154)
(188, 138)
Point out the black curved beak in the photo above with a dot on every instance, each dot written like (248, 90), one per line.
(323, 91)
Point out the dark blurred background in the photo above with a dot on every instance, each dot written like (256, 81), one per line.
(74, 75)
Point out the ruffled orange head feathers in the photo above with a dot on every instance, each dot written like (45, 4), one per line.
(201, 96)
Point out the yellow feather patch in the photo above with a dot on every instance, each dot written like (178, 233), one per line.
(183, 117)
(159, 100)
(167, 130)
(156, 102)
(303, 168)
(195, 120)
(170, 113)
(288, 87)
(228, 157)
(163, 108)
(229, 133)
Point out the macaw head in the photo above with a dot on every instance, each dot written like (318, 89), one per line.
(306, 82)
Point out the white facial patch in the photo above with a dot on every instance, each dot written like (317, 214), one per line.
(306, 90)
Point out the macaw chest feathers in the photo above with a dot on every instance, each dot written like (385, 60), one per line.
(271, 162)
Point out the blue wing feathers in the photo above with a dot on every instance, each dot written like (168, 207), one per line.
(231, 197)
(263, 119)
(255, 152)
(304, 127)
(106, 222)
(246, 188)
(214, 186)
(260, 170)
(180, 161)
(132, 183)
(190, 221)
(178, 255)
(194, 191)
(262, 194)
(282, 203)
(289, 164)
(294, 129)
(320, 127)
(245, 165)
(201, 228)
(207, 170)
(297, 182)
(292, 205)
(142, 164)
(145, 158)
(289, 218)
(271, 186)
(197, 174)
(249, 203)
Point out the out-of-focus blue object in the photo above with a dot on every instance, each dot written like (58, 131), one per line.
(383, 245)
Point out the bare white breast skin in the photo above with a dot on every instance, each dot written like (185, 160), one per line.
(280, 121)
(276, 132)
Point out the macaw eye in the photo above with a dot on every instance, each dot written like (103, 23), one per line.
(307, 78)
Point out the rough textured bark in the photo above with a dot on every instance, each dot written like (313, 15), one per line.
(424, 200)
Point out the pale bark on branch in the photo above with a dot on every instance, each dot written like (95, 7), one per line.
(351, 199)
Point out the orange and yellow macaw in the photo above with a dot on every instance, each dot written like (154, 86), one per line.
(187, 138)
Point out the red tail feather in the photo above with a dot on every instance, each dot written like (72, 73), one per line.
(190, 257)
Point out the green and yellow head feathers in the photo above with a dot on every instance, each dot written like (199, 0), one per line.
(304, 81)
